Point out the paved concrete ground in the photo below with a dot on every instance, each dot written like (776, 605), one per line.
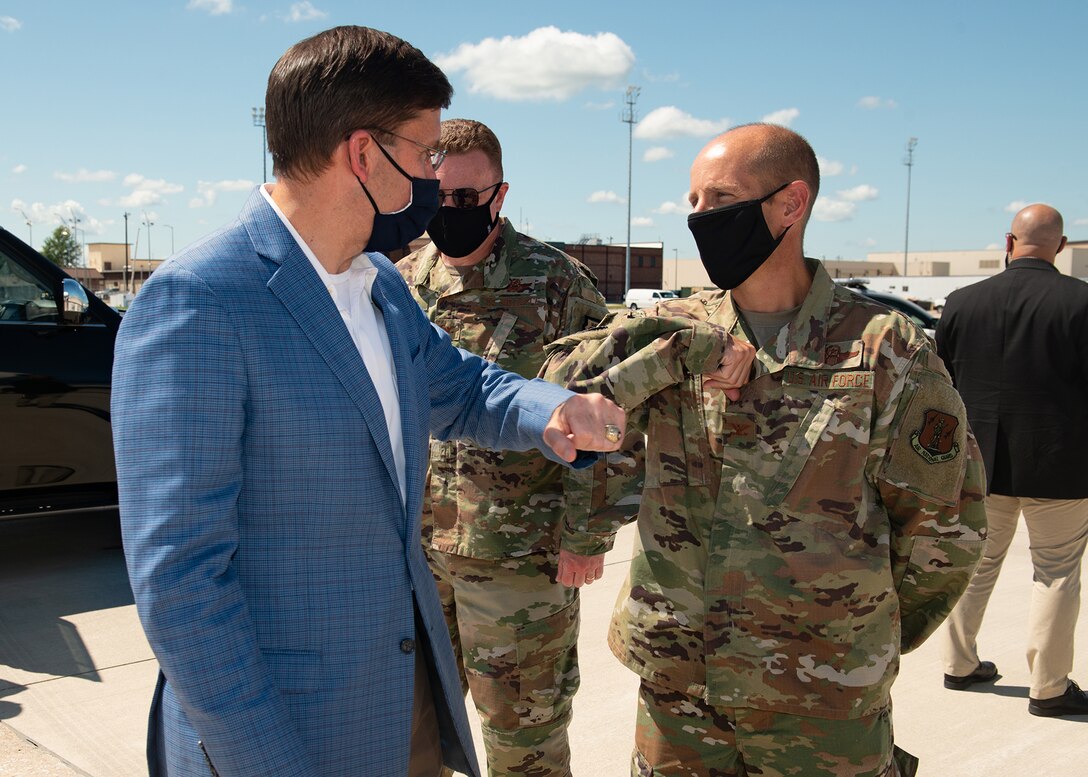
(76, 674)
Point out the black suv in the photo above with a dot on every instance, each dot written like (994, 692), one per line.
(56, 356)
(911, 310)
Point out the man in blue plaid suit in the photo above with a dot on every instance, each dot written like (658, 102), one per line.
(275, 387)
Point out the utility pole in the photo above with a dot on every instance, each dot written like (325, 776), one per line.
(909, 162)
(149, 224)
(676, 270)
(258, 121)
(629, 119)
(124, 272)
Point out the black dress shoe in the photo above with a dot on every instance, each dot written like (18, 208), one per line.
(984, 673)
(1073, 702)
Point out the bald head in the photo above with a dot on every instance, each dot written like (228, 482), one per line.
(1037, 232)
(768, 153)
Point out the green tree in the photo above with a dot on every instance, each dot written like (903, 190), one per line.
(61, 247)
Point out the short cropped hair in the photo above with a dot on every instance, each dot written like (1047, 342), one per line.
(459, 136)
(785, 156)
(344, 79)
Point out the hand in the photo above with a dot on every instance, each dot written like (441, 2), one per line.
(576, 571)
(735, 369)
(579, 424)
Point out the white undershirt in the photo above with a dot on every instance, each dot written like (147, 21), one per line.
(351, 291)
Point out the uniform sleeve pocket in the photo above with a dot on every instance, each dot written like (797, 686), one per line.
(929, 452)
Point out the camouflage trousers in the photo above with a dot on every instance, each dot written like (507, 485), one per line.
(515, 635)
(677, 735)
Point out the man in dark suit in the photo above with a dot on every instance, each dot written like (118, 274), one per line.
(1016, 346)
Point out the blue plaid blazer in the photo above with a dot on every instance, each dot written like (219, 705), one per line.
(276, 570)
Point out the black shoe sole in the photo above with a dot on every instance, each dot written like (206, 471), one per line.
(963, 685)
(1057, 712)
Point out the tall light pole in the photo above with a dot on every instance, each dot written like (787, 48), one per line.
(30, 226)
(171, 237)
(148, 223)
(676, 270)
(629, 119)
(258, 121)
(124, 272)
(909, 162)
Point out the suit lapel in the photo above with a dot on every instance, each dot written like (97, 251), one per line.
(298, 287)
(406, 388)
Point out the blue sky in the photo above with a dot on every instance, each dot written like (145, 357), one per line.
(145, 107)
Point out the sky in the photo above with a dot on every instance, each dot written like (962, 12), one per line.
(146, 108)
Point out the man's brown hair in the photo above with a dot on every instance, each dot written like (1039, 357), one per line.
(459, 136)
(341, 80)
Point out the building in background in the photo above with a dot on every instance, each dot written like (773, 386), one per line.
(608, 261)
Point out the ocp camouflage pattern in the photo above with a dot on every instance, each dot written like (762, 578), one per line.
(795, 542)
(526, 294)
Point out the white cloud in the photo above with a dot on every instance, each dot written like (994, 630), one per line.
(859, 193)
(670, 122)
(873, 103)
(304, 12)
(602, 106)
(208, 191)
(86, 176)
(147, 191)
(1000, 246)
(869, 242)
(642, 221)
(672, 77)
(58, 213)
(783, 117)
(18, 170)
(10, 24)
(829, 167)
(603, 196)
(1081, 222)
(669, 207)
(546, 64)
(214, 7)
(833, 210)
(1016, 206)
(657, 153)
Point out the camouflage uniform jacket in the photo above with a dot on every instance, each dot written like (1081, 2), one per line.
(795, 542)
(496, 504)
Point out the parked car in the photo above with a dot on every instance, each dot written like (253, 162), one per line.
(911, 310)
(56, 356)
(645, 298)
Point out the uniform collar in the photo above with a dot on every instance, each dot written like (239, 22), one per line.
(433, 274)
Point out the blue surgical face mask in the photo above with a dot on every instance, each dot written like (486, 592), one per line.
(398, 229)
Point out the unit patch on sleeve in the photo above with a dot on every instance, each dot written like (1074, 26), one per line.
(936, 440)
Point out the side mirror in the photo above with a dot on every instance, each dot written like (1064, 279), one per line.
(76, 302)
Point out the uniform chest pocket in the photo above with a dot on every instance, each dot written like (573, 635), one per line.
(789, 432)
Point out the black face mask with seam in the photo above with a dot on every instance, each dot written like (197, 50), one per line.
(734, 240)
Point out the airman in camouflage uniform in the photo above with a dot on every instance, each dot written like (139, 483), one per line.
(796, 540)
(497, 527)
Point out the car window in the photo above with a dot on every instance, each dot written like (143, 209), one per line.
(22, 296)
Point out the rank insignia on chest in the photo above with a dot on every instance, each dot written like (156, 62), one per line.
(936, 440)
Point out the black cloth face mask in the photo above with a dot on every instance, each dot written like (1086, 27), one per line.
(734, 240)
(457, 232)
(397, 229)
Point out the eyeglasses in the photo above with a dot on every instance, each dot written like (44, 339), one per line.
(436, 155)
(466, 197)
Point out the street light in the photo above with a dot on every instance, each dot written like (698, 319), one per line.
(148, 223)
(909, 162)
(258, 121)
(171, 237)
(676, 270)
(629, 119)
(30, 225)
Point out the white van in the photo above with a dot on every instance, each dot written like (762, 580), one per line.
(646, 298)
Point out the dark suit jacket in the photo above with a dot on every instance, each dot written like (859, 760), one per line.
(1017, 348)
